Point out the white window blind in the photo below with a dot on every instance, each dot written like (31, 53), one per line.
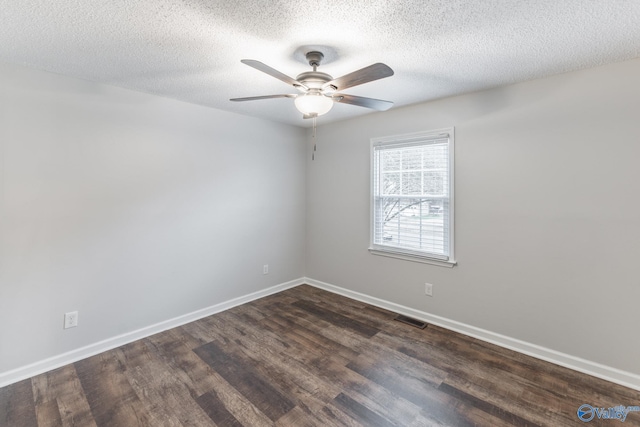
(412, 209)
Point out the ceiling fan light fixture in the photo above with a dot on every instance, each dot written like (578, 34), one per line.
(313, 104)
(319, 90)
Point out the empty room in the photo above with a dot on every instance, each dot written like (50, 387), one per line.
(339, 213)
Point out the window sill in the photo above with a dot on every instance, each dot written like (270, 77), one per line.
(414, 258)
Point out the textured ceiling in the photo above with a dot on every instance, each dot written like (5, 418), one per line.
(191, 49)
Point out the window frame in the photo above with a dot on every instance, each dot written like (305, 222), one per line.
(408, 254)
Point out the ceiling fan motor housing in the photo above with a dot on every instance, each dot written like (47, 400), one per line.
(314, 79)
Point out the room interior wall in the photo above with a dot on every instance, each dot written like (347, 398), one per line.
(133, 209)
(546, 212)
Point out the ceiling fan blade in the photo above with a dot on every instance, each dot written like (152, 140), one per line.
(255, 98)
(360, 101)
(273, 72)
(364, 75)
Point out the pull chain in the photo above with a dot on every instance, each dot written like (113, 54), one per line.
(313, 155)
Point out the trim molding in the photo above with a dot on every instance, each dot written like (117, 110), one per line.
(414, 258)
(588, 367)
(28, 371)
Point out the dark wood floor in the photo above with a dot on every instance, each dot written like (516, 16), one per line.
(306, 357)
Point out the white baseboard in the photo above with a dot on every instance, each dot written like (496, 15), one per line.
(598, 370)
(72, 356)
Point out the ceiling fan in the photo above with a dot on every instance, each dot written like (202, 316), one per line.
(318, 90)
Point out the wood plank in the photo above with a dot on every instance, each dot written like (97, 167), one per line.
(368, 393)
(361, 413)
(244, 378)
(154, 381)
(48, 414)
(175, 348)
(337, 319)
(112, 400)
(63, 386)
(238, 405)
(315, 343)
(201, 378)
(336, 416)
(276, 364)
(409, 380)
(344, 337)
(216, 410)
(486, 406)
(17, 406)
(434, 406)
(298, 417)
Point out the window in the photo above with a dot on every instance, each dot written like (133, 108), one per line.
(412, 197)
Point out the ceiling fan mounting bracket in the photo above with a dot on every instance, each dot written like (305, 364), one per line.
(315, 58)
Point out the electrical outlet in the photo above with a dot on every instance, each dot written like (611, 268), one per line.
(265, 269)
(71, 319)
(428, 289)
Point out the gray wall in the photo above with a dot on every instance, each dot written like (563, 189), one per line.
(134, 209)
(547, 193)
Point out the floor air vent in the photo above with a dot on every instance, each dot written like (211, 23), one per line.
(410, 321)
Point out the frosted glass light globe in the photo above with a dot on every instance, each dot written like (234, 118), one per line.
(313, 103)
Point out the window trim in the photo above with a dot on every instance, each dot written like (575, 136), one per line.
(407, 254)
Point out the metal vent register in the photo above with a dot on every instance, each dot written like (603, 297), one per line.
(411, 321)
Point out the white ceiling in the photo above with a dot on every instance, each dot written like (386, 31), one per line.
(191, 49)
